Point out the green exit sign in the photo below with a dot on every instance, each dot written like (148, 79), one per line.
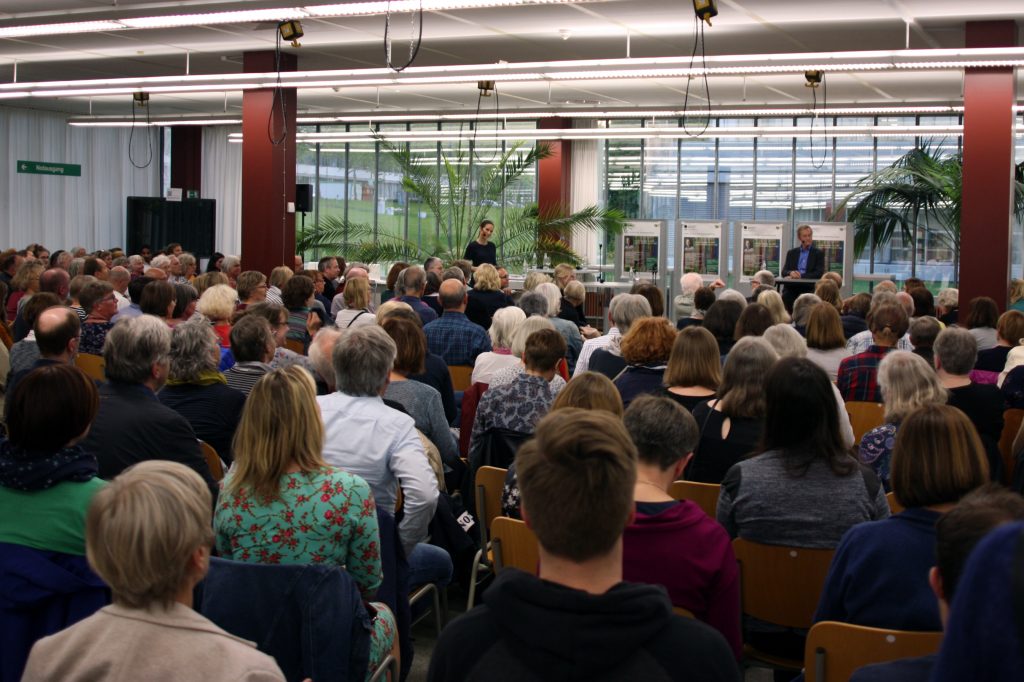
(43, 168)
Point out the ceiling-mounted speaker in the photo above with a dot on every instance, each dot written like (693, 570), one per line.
(705, 9)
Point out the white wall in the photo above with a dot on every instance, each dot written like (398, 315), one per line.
(63, 212)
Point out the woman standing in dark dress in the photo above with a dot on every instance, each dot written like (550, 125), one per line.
(482, 250)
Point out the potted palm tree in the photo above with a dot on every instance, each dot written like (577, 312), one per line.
(921, 189)
(459, 199)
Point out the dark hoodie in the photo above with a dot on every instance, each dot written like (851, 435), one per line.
(531, 629)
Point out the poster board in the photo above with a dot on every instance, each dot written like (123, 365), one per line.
(701, 248)
(759, 247)
(641, 250)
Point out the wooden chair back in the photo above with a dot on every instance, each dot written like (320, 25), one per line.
(704, 494)
(1012, 420)
(864, 416)
(93, 365)
(835, 650)
(461, 376)
(781, 585)
(212, 460)
(490, 481)
(894, 506)
(295, 345)
(514, 545)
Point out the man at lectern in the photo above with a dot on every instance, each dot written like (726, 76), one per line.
(802, 262)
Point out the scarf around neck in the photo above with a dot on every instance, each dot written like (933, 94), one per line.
(28, 471)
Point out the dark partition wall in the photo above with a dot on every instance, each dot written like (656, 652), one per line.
(158, 222)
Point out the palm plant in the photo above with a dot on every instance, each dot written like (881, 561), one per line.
(459, 200)
(921, 189)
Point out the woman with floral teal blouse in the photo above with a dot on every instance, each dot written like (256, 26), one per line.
(282, 504)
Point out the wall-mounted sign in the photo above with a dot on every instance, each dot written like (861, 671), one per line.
(73, 170)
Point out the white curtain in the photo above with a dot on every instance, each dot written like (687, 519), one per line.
(63, 212)
(584, 190)
(222, 180)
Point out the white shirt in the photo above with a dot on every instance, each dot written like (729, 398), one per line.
(122, 300)
(488, 364)
(861, 341)
(369, 439)
(589, 346)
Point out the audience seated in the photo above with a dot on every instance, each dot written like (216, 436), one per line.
(646, 349)
(772, 300)
(855, 312)
(24, 284)
(1009, 331)
(569, 331)
(486, 296)
(185, 301)
(978, 582)
(605, 357)
(907, 383)
(158, 300)
(197, 391)
(982, 403)
(826, 345)
(409, 288)
(501, 332)
(279, 276)
(297, 298)
(252, 288)
(56, 331)
(683, 303)
(574, 295)
(858, 343)
(132, 425)
(857, 378)
(54, 281)
(754, 320)
(369, 439)
(453, 336)
(357, 305)
(253, 347)
(703, 299)
(802, 307)
(135, 289)
(694, 370)
(661, 545)
(577, 619)
(803, 472)
(652, 292)
(435, 373)
(97, 299)
(982, 318)
(26, 352)
(390, 280)
(923, 332)
(217, 304)
(589, 391)
(420, 401)
(524, 330)
(720, 320)
(148, 535)
(731, 425)
(277, 317)
(282, 503)
(828, 292)
(879, 575)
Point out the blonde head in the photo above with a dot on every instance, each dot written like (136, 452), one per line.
(564, 273)
(217, 303)
(142, 529)
(357, 293)
(772, 300)
(534, 278)
(486, 278)
(280, 424)
(387, 307)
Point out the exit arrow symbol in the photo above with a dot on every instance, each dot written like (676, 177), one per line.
(24, 166)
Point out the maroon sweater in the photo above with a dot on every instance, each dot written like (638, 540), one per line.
(678, 546)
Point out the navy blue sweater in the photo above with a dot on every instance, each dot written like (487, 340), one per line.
(879, 575)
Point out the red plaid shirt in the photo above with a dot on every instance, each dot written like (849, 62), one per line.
(858, 375)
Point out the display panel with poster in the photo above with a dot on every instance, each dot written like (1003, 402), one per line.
(640, 250)
(760, 249)
(702, 249)
(831, 239)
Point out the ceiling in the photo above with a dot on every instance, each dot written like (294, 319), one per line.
(609, 29)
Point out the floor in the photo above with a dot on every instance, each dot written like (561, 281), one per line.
(425, 637)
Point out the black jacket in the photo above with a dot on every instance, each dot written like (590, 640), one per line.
(815, 262)
(531, 629)
(133, 426)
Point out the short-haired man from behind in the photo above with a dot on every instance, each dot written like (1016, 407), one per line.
(57, 333)
(453, 336)
(957, 534)
(578, 620)
(675, 543)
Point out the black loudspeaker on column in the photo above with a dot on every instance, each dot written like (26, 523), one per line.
(303, 198)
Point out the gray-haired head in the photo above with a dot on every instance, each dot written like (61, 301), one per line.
(625, 309)
(763, 279)
(230, 262)
(802, 308)
(163, 262)
(194, 350)
(532, 324)
(503, 326)
(786, 341)
(363, 358)
(956, 351)
(454, 272)
(321, 351)
(733, 295)
(133, 346)
(252, 339)
(534, 303)
(689, 283)
(411, 281)
(948, 298)
(553, 296)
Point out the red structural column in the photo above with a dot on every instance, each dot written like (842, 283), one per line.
(986, 213)
(268, 169)
(187, 158)
(554, 172)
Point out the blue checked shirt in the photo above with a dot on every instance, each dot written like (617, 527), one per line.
(456, 339)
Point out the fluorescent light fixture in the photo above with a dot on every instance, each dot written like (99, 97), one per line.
(59, 29)
(353, 9)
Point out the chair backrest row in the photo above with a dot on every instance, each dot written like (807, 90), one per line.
(705, 495)
(835, 650)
